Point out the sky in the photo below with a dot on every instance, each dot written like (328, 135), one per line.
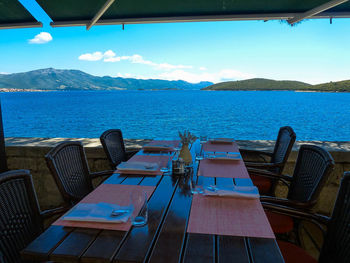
(313, 51)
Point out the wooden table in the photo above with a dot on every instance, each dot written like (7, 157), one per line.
(163, 239)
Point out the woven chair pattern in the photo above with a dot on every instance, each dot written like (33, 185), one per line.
(312, 169)
(337, 242)
(20, 219)
(284, 143)
(113, 145)
(68, 164)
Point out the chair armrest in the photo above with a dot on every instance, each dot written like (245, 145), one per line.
(271, 175)
(263, 165)
(255, 152)
(285, 202)
(130, 153)
(101, 173)
(317, 219)
(246, 153)
(54, 211)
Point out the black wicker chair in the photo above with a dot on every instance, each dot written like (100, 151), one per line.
(273, 163)
(113, 145)
(68, 165)
(336, 247)
(21, 220)
(312, 169)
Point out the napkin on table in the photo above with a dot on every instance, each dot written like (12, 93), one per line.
(137, 166)
(100, 212)
(248, 192)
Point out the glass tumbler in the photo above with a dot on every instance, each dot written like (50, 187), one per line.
(139, 202)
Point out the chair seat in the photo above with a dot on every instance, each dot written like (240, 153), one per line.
(294, 254)
(280, 223)
(264, 184)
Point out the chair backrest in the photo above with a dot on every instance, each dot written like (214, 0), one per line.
(113, 145)
(20, 220)
(284, 144)
(68, 165)
(312, 169)
(336, 247)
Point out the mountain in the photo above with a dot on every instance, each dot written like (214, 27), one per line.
(60, 79)
(269, 84)
(258, 84)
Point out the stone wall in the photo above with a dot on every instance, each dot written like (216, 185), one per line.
(29, 153)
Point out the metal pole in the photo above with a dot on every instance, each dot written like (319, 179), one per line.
(3, 159)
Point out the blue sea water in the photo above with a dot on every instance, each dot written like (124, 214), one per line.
(153, 114)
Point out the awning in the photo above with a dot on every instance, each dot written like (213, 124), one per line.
(108, 12)
(14, 15)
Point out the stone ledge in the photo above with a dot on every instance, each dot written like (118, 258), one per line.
(332, 146)
(51, 142)
(340, 150)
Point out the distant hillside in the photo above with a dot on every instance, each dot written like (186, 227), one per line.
(56, 79)
(258, 84)
(268, 84)
(340, 86)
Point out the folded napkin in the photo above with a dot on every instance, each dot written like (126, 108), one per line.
(100, 212)
(157, 147)
(223, 155)
(247, 192)
(138, 166)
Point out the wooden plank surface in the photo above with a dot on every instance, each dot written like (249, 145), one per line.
(169, 245)
(41, 247)
(140, 239)
(200, 247)
(69, 251)
(107, 244)
(230, 249)
(264, 250)
(163, 239)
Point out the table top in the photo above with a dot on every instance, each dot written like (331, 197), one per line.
(163, 239)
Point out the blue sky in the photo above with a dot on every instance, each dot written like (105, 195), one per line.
(314, 51)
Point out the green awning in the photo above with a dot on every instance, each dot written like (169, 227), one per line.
(81, 12)
(14, 15)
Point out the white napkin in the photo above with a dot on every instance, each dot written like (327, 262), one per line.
(100, 212)
(247, 192)
(139, 166)
(223, 155)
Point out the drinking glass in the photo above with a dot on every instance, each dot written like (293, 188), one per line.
(203, 139)
(196, 185)
(199, 156)
(139, 200)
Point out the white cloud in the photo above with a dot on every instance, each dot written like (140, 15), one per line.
(4, 73)
(223, 75)
(128, 75)
(110, 56)
(41, 38)
(203, 68)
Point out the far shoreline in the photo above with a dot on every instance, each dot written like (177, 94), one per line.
(4, 90)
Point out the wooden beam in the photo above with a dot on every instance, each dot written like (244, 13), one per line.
(208, 18)
(316, 10)
(99, 13)
(21, 25)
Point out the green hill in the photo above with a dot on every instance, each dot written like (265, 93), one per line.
(259, 84)
(62, 79)
(340, 86)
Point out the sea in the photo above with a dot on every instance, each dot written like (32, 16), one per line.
(243, 115)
